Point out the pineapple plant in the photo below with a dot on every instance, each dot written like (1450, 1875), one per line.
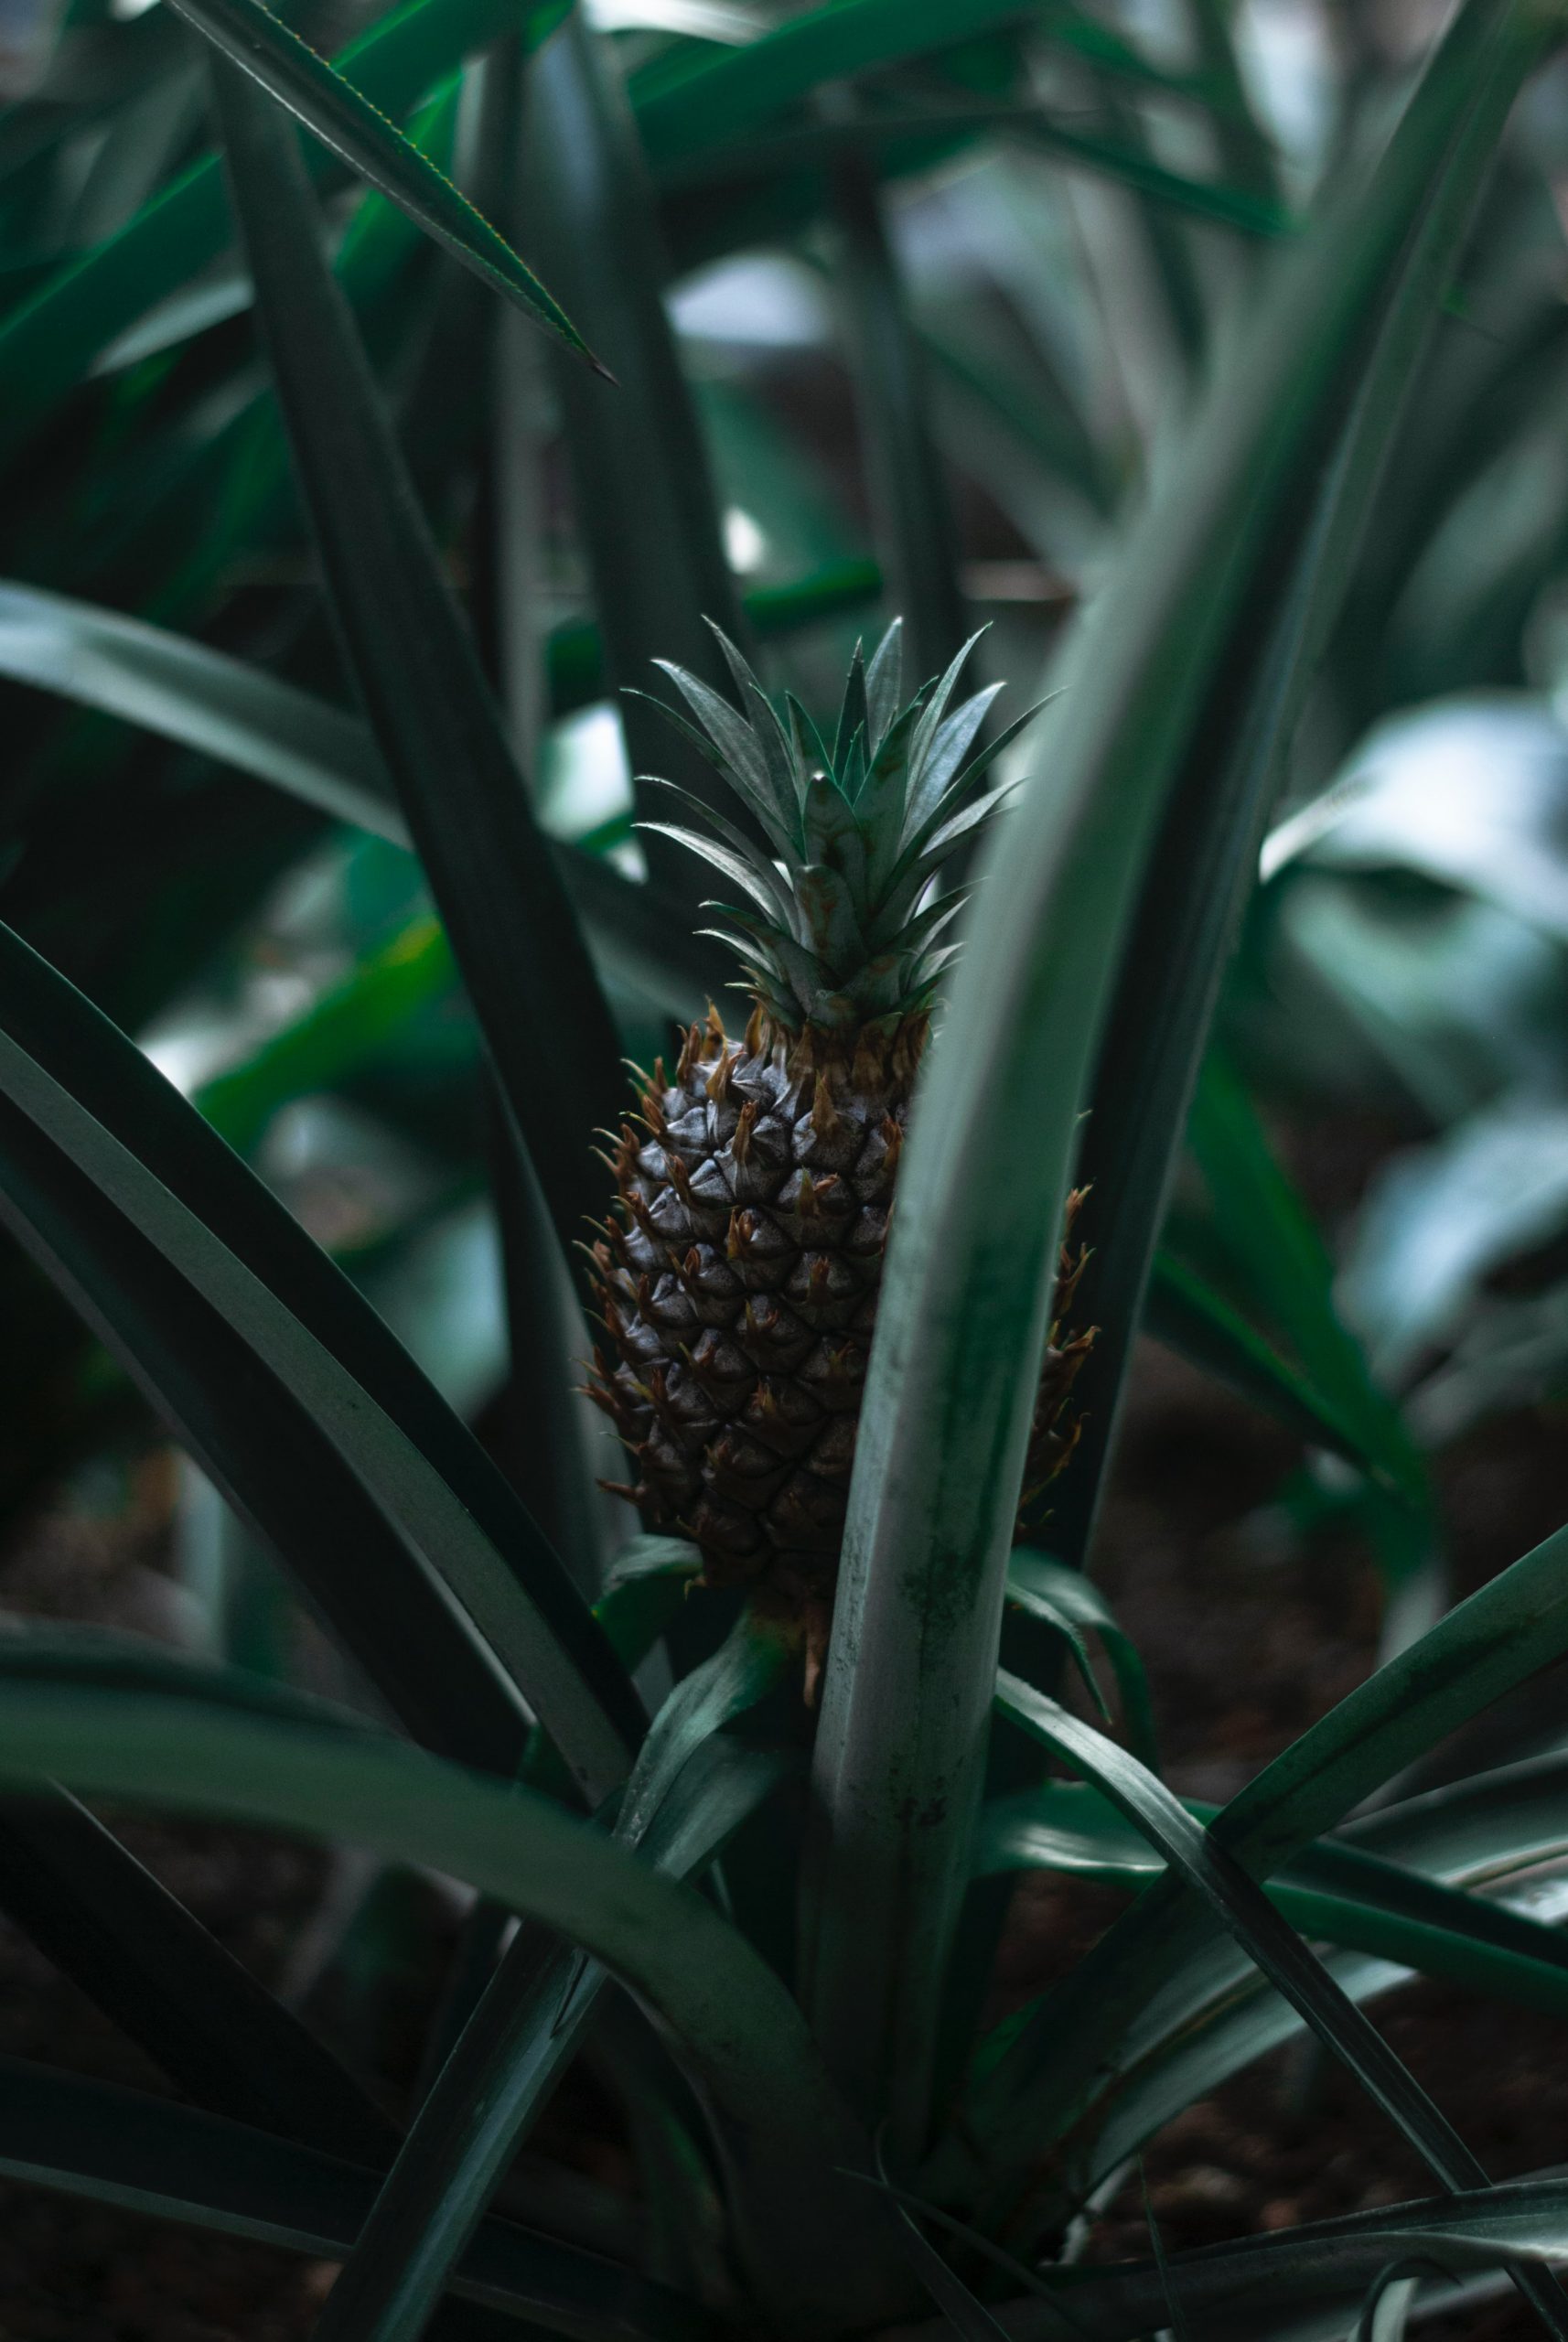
(738, 1278)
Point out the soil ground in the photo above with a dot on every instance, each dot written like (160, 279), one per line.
(1245, 1647)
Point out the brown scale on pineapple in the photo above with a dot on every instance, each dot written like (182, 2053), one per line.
(740, 1287)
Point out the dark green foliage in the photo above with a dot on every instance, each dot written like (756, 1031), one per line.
(388, 551)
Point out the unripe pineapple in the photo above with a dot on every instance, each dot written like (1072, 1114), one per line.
(739, 1282)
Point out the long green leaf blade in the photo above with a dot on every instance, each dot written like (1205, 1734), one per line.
(47, 343)
(1324, 2260)
(949, 1398)
(155, 1972)
(1212, 2014)
(731, 2021)
(1496, 1640)
(336, 1039)
(1185, 1312)
(259, 1444)
(1244, 145)
(1291, 1966)
(289, 70)
(915, 137)
(1327, 1892)
(528, 972)
(159, 2158)
(642, 488)
(143, 1192)
(1046, 1589)
(1491, 1817)
(920, 538)
(219, 706)
(708, 100)
(226, 707)
(1200, 879)
(531, 2016)
(1266, 1226)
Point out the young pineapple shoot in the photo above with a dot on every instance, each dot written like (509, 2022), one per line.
(740, 1272)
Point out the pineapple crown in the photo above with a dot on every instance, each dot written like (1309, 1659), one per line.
(840, 924)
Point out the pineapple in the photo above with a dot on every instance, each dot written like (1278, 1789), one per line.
(738, 1279)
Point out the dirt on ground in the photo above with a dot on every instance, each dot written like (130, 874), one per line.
(1247, 1643)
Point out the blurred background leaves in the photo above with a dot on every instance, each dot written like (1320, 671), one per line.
(929, 276)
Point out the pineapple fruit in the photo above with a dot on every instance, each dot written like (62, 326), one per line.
(739, 1275)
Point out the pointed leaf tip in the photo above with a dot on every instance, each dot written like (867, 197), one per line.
(261, 46)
